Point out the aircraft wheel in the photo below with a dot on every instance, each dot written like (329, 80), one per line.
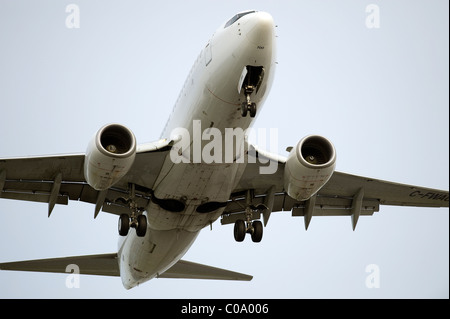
(244, 109)
(239, 230)
(141, 227)
(124, 224)
(257, 231)
(252, 109)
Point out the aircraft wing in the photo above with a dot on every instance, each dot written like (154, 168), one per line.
(56, 179)
(107, 265)
(59, 178)
(343, 195)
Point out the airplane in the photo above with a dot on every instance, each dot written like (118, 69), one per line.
(201, 169)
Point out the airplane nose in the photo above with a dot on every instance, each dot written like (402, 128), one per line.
(261, 29)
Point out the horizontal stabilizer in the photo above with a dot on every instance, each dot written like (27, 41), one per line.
(188, 270)
(107, 265)
(101, 265)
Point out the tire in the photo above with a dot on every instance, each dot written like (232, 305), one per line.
(257, 231)
(252, 109)
(244, 109)
(141, 228)
(124, 224)
(239, 230)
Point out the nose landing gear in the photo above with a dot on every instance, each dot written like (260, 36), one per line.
(251, 80)
(248, 106)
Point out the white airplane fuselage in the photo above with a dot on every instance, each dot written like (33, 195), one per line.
(211, 98)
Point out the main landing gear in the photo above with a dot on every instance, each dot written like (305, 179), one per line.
(254, 228)
(249, 226)
(138, 222)
(135, 220)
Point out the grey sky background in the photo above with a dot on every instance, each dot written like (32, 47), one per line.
(380, 95)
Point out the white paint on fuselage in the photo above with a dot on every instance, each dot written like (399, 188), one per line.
(210, 95)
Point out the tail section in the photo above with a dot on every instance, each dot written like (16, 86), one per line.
(107, 265)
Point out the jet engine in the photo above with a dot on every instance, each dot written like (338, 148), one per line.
(109, 156)
(309, 166)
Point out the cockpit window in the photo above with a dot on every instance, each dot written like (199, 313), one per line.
(237, 17)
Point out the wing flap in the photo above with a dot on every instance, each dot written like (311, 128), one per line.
(323, 206)
(101, 265)
(388, 193)
(189, 270)
(343, 195)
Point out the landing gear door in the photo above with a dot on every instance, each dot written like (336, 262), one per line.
(241, 79)
(208, 54)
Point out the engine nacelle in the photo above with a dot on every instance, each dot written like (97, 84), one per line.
(309, 166)
(109, 156)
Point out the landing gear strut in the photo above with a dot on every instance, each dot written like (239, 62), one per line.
(248, 106)
(135, 220)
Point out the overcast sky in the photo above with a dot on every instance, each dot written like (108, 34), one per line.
(379, 94)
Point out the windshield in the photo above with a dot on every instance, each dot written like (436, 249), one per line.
(237, 17)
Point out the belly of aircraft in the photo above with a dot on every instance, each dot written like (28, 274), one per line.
(144, 258)
(202, 189)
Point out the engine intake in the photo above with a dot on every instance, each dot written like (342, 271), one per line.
(109, 156)
(309, 166)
